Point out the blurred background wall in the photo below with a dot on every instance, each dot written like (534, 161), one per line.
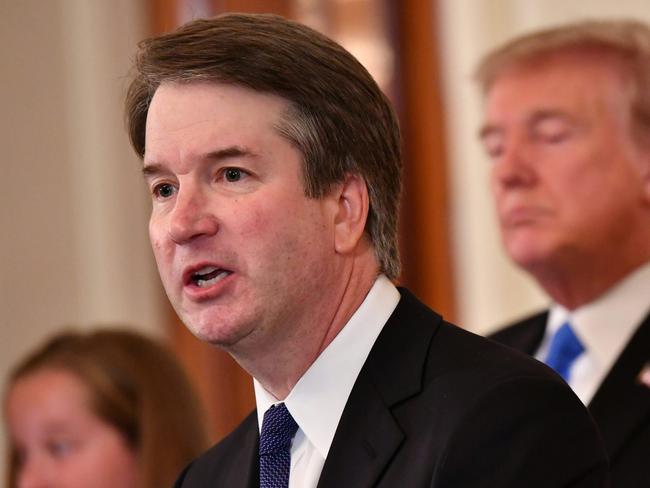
(74, 246)
(73, 208)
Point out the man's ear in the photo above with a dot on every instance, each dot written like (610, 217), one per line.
(642, 157)
(352, 213)
(645, 176)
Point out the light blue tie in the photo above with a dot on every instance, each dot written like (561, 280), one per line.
(278, 429)
(564, 350)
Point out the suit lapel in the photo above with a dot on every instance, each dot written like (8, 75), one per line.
(365, 440)
(249, 476)
(243, 468)
(621, 396)
(368, 435)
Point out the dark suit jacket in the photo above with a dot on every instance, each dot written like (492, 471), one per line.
(436, 406)
(621, 405)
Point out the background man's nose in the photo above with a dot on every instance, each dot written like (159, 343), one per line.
(514, 167)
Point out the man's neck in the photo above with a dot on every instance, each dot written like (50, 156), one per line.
(279, 366)
(575, 287)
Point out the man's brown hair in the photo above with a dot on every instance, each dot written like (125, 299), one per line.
(338, 117)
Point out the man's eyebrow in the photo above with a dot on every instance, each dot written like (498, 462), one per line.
(235, 151)
(487, 130)
(151, 169)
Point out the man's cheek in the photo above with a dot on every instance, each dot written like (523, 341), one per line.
(159, 244)
(156, 246)
(256, 222)
(163, 262)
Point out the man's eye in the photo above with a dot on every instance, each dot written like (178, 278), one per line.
(494, 151)
(59, 448)
(552, 131)
(233, 174)
(164, 190)
(493, 146)
(554, 137)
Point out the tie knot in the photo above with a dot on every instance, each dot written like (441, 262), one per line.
(278, 428)
(564, 349)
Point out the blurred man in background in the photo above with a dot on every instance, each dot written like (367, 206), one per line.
(567, 126)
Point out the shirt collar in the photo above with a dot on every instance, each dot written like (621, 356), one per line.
(317, 401)
(605, 325)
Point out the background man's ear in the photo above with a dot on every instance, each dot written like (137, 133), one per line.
(646, 184)
(352, 213)
(645, 175)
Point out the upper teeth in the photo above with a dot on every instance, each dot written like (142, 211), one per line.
(200, 279)
(206, 270)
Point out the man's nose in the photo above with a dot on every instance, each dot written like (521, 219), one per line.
(191, 217)
(515, 166)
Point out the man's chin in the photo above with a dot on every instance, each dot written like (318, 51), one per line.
(218, 334)
(528, 254)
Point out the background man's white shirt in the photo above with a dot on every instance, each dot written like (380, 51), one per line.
(604, 327)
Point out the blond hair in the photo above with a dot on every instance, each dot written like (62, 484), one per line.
(623, 44)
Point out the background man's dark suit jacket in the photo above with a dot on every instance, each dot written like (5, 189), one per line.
(436, 406)
(621, 405)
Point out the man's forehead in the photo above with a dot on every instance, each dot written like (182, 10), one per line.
(580, 64)
(191, 112)
(555, 88)
(212, 94)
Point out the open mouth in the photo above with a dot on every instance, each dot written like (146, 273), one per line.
(208, 276)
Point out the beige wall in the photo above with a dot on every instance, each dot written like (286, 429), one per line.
(73, 208)
(490, 290)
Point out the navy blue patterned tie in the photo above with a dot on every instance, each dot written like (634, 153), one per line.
(278, 429)
(565, 348)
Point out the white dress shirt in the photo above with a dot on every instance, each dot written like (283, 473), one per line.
(604, 327)
(317, 401)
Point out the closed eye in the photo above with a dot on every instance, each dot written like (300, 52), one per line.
(552, 134)
(552, 128)
(493, 144)
(554, 137)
